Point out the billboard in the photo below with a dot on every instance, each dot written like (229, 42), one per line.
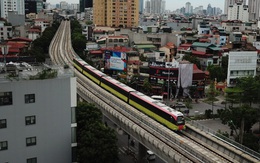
(164, 72)
(115, 60)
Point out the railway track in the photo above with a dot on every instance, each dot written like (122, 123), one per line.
(61, 51)
(187, 146)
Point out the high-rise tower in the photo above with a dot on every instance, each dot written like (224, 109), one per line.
(141, 6)
(253, 9)
(231, 3)
(85, 4)
(11, 5)
(116, 14)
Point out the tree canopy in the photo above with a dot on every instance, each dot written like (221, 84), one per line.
(192, 59)
(40, 46)
(242, 116)
(96, 142)
(78, 39)
(216, 72)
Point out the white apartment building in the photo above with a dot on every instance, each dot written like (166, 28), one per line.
(156, 6)
(43, 23)
(230, 3)
(11, 5)
(241, 64)
(64, 5)
(253, 8)
(37, 120)
(163, 4)
(188, 8)
(238, 11)
(5, 31)
(147, 6)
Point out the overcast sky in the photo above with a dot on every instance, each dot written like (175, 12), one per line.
(170, 4)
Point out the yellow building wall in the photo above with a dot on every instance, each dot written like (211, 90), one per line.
(116, 13)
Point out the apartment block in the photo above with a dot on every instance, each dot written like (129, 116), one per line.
(37, 119)
(116, 13)
(11, 5)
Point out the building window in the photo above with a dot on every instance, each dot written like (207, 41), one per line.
(6, 98)
(29, 120)
(32, 160)
(29, 98)
(30, 141)
(3, 145)
(2, 123)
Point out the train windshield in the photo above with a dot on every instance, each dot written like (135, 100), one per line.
(180, 120)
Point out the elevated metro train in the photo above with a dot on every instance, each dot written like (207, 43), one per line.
(160, 112)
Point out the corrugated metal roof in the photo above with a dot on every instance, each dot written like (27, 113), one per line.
(199, 44)
(215, 48)
(144, 46)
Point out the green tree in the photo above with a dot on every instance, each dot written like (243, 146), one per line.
(224, 65)
(96, 142)
(216, 72)
(250, 89)
(37, 52)
(192, 59)
(241, 117)
(77, 38)
(89, 22)
(233, 95)
(211, 94)
(147, 87)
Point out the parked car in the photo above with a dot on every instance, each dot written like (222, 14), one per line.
(150, 155)
(181, 107)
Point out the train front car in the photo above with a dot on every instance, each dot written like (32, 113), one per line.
(158, 111)
(179, 121)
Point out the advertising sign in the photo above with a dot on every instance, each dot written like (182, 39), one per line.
(115, 60)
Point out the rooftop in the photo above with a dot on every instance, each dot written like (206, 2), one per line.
(25, 71)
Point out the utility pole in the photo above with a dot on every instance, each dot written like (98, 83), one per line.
(168, 88)
(5, 49)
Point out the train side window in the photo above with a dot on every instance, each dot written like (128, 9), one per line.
(171, 118)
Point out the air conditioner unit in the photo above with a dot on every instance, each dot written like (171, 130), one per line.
(258, 60)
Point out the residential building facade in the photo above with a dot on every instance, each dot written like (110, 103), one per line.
(241, 64)
(85, 4)
(37, 120)
(115, 13)
(33, 6)
(11, 5)
(253, 8)
(238, 11)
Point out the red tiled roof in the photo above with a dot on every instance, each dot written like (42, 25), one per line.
(20, 39)
(34, 30)
(8, 56)
(183, 48)
(96, 52)
(41, 20)
(196, 69)
(16, 45)
(186, 45)
(198, 52)
(118, 49)
(169, 45)
(204, 40)
(13, 50)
